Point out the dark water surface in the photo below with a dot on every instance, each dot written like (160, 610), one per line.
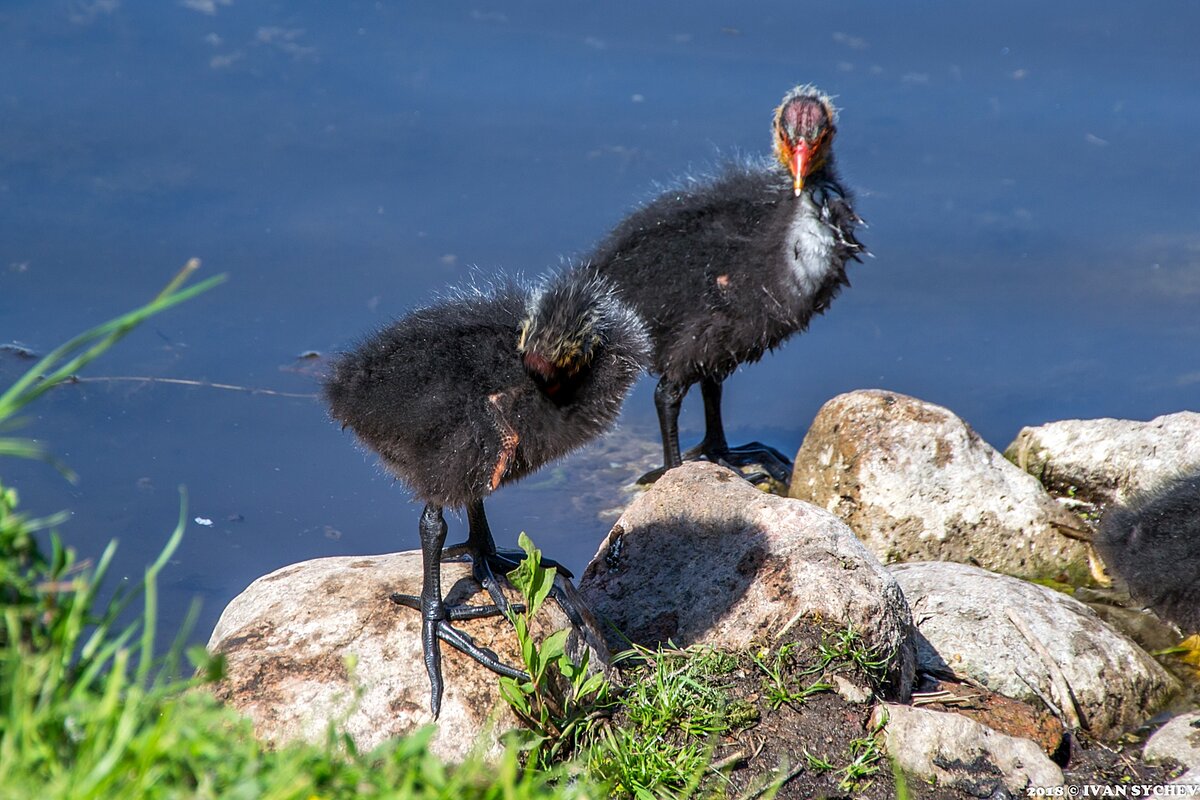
(1028, 170)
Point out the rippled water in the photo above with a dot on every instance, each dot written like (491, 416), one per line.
(1027, 169)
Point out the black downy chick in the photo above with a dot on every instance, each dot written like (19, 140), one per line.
(477, 391)
(726, 269)
(1153, 543)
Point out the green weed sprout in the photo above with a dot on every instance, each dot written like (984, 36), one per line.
(558, 702)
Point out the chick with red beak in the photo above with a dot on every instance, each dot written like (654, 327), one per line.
(804, 128)
(725, 269)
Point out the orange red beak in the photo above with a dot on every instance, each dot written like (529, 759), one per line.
(801, 165)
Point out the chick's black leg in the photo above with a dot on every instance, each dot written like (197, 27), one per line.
(436, 615)
(488, 561)
(714, 446)
(714, 425)
(668, 397)
(485, 558)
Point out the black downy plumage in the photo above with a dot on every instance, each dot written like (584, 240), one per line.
(1153, 543)
(477, 391)
(724, 270)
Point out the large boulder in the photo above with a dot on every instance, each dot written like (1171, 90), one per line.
(969, 622)
(704, 557)
(1106, 460)
(320, 642)
(916, 483)
(954, 752)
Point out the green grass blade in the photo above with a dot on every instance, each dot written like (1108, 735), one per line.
(65, 360)
(150, 587)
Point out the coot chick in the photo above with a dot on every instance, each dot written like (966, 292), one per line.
(723, 270)
(477, 391)
(1153, 543)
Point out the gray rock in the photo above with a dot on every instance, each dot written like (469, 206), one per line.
(963, 754)
(962, 615)
(1179, 739)
(916, 483)
(1106, 460)
(1189, 778)
(704, 557)
(320, 642)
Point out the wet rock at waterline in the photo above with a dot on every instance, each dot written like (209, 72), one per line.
(320, 642)
(1106, 460)
(916, 483)
(1029, 642)
(704, 557)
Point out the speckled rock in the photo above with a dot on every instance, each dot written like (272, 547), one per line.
(704, 557)
(963, 754)
(917, 483)
(1106, 460)
(962, 614)
(1179, 739)
(320, 642)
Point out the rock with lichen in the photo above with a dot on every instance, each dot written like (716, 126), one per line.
(916, 483)
(1107, 460)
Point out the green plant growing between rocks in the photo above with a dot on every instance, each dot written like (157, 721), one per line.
(560, 702)
(817, 763)
(865, 754)
(667, 721)
(846, 646)
(779, 691)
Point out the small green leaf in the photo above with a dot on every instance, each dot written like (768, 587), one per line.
(554, 645)
(511, 691)
(591, 685)
(540, 585)
(529, 652)
(525, 574)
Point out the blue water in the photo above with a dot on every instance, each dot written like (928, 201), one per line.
(1028, 172)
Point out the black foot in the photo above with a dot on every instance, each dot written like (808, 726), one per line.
(775, 465)
(485, 568)
(455, 612)
(504, 562)
(434, 629)
(652, 476)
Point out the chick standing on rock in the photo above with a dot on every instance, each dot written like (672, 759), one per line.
(478, 391)
(1153, 543)
(727, 269)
